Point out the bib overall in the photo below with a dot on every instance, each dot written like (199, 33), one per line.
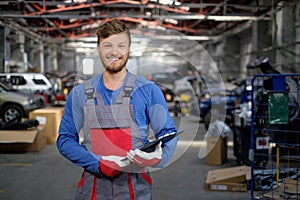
(111, 130)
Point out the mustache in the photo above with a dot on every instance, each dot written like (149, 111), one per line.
(115, 69)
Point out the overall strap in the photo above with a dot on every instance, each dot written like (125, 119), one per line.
(92, 94)
(125, 95)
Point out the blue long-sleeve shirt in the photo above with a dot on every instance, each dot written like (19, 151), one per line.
(150, 111)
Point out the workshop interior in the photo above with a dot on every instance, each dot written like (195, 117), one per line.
(228, 70)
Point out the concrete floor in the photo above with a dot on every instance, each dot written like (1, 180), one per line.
(46, 175)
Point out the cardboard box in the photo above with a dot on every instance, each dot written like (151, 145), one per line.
(233, 179)
(232, 187)
(288, 189)
(31, 140)
(230, 174)
(49, 118)
(216, 148)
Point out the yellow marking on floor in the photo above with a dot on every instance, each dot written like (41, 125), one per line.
(199, 143)
(15, 164)
(1, 191)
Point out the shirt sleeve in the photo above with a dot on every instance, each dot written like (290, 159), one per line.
(162, 123)
(153, 112)
(68, 135)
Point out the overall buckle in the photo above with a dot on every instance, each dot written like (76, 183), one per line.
(127, 91)
(90, 93)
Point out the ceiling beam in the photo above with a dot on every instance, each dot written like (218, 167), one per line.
(191, 16)
(67, 19)
(137, 4)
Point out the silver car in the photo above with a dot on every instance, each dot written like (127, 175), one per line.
(15, 104)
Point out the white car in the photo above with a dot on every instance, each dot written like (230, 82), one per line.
(28, 82)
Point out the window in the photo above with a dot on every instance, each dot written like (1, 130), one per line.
(17, 80)
(39, 81)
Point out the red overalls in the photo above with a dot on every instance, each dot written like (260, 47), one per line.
(111, 130)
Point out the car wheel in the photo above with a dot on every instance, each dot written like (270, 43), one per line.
(206, 119)
(11, 112)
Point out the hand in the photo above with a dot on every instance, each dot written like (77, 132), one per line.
(145, 159)
(112, 165)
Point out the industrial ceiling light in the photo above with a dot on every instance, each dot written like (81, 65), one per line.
(172, 21)
(91, 26)
(215, 17)
(235, 18)
(186, 8)
(86, 39)
(181, 37)
(75, 1)
(82, 45)
(198, 38)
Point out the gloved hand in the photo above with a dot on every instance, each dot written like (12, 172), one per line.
(112, 165)
(145, 159)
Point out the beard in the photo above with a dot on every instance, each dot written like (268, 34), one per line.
(116, 67)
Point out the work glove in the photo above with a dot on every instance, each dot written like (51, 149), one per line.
(144, 159)
(111, 166)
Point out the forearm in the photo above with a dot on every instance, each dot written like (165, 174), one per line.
(76, 153)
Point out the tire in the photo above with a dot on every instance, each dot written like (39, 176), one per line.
(11, 112)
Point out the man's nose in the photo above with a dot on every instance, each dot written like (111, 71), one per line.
(114, 50)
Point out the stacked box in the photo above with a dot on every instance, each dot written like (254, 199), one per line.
(49, 118)
(31, 140)
(216, 148)
(233, 179)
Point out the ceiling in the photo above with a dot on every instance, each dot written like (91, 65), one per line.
(68, 20)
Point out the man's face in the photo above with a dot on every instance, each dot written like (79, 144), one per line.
(114, 52)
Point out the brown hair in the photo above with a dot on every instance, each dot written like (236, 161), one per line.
(110, 28)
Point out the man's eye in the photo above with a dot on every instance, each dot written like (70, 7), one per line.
(122, 46)
(106, 46)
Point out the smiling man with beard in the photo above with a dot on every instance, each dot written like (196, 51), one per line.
(115, 111)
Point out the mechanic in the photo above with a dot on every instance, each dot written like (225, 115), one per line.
(115, 111)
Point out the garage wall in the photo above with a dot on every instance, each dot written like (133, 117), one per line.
(286, 39)
(67, 61)
(277, 39)
(4, 48)
(297, 37)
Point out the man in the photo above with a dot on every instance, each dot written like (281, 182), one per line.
(115, 111)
